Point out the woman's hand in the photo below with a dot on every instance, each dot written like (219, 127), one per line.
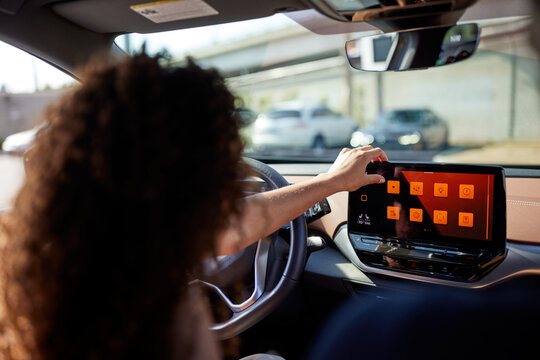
(348, 171)
(266, 212)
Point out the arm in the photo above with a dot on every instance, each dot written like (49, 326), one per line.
(266, 212)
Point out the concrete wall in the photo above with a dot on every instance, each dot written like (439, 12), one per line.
(20, 112)
(475, 97)
(492, 96)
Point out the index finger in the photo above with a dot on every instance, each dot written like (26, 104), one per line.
(373, 154)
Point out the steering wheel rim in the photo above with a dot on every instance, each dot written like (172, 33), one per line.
(263, 302)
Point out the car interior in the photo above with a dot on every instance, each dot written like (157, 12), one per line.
(456, 217)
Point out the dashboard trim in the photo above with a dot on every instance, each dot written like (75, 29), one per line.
(518, 262)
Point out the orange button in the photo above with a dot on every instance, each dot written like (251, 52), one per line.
(440, 217)
(466, 191)
(440, 190)
(417, 188)
(392, 212)
(466, 219)
(415, 215)
(363, 197)
(393, 187)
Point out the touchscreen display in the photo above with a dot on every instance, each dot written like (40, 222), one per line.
(425, 205)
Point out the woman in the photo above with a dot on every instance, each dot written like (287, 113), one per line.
(130, 185)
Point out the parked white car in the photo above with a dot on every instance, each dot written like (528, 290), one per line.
(301, 125)
(20, 142)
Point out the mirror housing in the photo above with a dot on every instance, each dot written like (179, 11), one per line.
(413, 49)
(380, 11)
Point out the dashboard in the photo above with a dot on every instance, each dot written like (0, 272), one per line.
(339, 267)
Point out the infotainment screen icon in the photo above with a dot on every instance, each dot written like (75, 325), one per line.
(427, 212)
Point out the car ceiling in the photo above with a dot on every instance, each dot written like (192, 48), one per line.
(68, 33)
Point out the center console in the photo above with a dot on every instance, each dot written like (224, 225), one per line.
(437, 220)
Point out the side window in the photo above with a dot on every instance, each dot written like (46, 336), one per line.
(322, 112)
(27, 86)
(429, 119)
(393, 117)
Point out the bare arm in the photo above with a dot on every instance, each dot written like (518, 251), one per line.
(266, 212)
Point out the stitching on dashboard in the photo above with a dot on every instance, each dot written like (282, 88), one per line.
(524, 203)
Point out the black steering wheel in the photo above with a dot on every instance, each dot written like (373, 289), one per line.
(264, 297)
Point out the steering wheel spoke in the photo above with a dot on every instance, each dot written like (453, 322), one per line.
(260, 266)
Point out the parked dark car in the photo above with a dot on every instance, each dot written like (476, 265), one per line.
(418, 129)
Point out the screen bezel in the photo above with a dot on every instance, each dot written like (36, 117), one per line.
(498, 227)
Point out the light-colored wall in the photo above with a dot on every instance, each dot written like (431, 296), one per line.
(474, 97)
(20, 112)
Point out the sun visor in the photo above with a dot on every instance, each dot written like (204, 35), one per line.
(126, 16)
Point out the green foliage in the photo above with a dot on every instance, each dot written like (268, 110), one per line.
(290, 95)
(265, 102)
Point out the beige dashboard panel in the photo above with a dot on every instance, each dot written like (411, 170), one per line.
(523, 210)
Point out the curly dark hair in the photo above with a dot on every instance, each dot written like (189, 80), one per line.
(127, 186)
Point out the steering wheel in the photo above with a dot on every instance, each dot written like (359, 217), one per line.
(265, 297)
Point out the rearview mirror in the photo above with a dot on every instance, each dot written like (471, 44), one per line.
(413, 49)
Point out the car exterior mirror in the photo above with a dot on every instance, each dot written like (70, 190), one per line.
(413, 49)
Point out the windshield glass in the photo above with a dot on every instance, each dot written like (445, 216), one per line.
(482, 110)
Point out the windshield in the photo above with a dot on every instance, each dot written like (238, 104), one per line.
(482, 110)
